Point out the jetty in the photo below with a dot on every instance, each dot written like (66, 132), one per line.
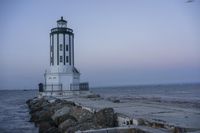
(66, 105)
(92, 113)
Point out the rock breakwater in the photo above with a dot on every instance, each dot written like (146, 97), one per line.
(61, 116)
(53, 115)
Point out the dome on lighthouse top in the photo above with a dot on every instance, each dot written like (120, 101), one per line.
(61, 23)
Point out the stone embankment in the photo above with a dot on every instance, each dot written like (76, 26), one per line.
(53, 115)
(60, 116)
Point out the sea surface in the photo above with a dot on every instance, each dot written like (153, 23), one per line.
(173, 92)
(14, 117)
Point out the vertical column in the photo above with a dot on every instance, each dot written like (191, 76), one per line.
(52, 49)
(57, 49)
(69, 49)
(64, 47)
(61, 53)
(73, 49)
(54, 41)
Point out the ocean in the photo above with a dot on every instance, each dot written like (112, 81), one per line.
(171, 92)
(14, 117)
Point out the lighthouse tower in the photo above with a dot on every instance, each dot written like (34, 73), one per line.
(62, 75)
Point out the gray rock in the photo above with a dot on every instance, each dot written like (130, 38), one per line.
(61, 112)
(82, 115)
(44, 115)
(63, 118)
(52, 130)
(93, 96)
(44, 126)
(81, 127)
(64, 102)
(105, 117)
(116, 101)
(66, 124)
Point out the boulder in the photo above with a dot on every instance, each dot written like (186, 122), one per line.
(179, 130)
(116, 101)
(61, 115)
(64, 102)
(105, 117)
(37, 104)
(94, 96)
(66, 124)
(61, 112)
(63, 118)
(82, 115)
(44, 126)
(81, 127)
(39, 107)
(43, 115)
(53, 130)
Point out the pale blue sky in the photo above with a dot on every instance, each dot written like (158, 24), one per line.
(117, 42)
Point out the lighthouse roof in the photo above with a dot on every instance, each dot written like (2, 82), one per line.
(61, 20)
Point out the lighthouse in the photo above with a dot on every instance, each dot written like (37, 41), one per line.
(62, 76)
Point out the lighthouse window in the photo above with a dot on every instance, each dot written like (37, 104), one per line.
(66, 47)
(61, 58)
(51, 60)
(67, 59)
(61, 47)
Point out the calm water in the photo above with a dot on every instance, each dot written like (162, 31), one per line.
(14, 115)
(181, 92)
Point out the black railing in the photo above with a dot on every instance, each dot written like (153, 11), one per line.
(74, 86)
(58, 88)
(61, 30)
(84, 86)
(53, 87)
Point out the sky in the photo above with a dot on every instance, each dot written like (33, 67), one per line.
(117, 42)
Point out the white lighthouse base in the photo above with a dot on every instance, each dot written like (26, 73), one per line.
(64, 84)
(61, 82)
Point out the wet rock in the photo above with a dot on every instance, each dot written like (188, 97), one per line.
(179, 130)
(66, 124)
(37, 104)
(44, 126)
(53, 130)
(59, 114)
(105, 117)
(82, 115)
(41, 116)
(64, 102)
(113, 99)
(93, 96)
(81, 127)
(61, 119)
(141, 121)
(158, 125)
(116, 101)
